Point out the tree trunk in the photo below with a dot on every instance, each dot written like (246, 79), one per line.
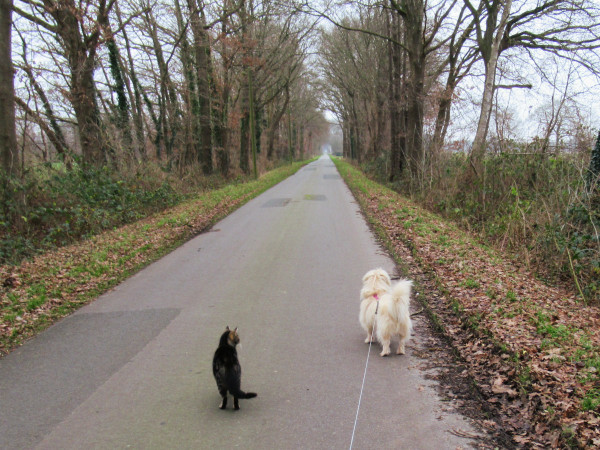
(291, 132)
(8, 137)
(397, 134)
(221, 107)
(245, 130)
(486, 109)
(202, 53)
(442, 121)
(135, 97)
(221, 132)
(489, 46)
(415, 86)
(169, 113)
(274, 125)
(355, 148)
(122, 113)
(190, 131)
(83, 98)
(81, 57)
(252, 121)
(345, 139)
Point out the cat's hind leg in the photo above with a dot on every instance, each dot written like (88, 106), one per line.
(236, 403)
(223, 393)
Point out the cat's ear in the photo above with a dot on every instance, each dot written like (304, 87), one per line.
(235, 331)
(227, 328)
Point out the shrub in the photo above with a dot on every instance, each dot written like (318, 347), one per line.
(534, 205)
(50, 206)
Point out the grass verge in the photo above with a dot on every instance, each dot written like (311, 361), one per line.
(52, 285)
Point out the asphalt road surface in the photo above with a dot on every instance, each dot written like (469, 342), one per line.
(133, 369)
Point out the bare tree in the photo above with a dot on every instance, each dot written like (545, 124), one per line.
(183, 83)
(222, 88)
(8, 138)
(567, 28)
(280, 54)
(245, 16)
(121, 109)
(397, 64)
(203, 79)
(134, 89)
(167, 119)
(414, 32)
(340, 75)
(52, 130)
(78, 28)
(456, 64)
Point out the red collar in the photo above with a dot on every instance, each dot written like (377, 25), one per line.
(376, 296)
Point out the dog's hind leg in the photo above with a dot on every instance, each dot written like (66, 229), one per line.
(401, 348)
(385, 342)
(370, 338)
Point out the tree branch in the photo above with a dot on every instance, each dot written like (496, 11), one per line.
(36, 20)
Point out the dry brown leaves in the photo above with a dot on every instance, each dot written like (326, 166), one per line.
(522, 340)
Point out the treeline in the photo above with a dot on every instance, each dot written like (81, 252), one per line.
(182, 82)
(419, 88)
(114, 109)
(161, 92)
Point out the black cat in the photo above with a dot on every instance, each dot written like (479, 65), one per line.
(227, 370)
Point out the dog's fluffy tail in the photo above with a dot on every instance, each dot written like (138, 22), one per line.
(401, 291)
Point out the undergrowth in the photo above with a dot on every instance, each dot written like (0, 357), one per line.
(535, 206)
(50, 206)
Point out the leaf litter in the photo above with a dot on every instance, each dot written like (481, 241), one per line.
(531, 350)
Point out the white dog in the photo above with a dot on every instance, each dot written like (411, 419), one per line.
(392, 316)
(376, 283)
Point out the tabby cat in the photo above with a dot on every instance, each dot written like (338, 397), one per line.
(227, 370)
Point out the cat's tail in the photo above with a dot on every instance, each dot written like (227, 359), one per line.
(241, 394)
(233, 385)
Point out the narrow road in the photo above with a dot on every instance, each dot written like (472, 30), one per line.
(133, 369)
